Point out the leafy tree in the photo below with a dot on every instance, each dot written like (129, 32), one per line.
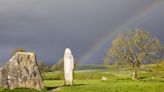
(18, 50)
(134, 47)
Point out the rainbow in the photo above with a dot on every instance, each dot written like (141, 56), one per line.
(138, 16)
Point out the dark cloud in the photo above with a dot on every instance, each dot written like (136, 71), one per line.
(49, 26)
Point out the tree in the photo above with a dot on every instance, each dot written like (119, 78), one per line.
(42, 67)
(60, 67)
(60, 64)
(159, 67)
(53, 67)
(134, 47)
(18, 50)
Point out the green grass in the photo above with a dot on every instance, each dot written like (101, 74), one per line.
(101, 86)
(110, 86)
(21, 90)
(119, 80)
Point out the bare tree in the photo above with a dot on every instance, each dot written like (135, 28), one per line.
(60, 64)
(53, 67)
(134, 47)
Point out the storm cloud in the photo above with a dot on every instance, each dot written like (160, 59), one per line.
(49, 26)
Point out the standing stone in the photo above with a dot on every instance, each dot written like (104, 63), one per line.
(68, 67)
(21, 72)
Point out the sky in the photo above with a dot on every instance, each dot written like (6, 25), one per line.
(86, 26)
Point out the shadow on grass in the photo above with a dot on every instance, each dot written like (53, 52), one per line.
(21, 90)
(52, 88)
(142, 78)
(79, 84)
(57, 87)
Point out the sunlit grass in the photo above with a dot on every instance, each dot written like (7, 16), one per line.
(112, 86)
(90, 81)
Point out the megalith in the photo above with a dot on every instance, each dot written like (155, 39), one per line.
(21, 72)
(68, 67)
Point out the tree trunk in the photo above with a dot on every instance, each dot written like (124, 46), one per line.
(134, 76)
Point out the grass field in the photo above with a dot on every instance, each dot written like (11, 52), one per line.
(119, 80)
(111, 86)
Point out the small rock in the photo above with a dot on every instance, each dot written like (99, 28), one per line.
(104, 78)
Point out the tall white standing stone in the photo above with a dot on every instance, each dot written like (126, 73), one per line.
(68, 67)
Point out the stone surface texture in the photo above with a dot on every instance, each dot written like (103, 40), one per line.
(21, 72)
(68, 67)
